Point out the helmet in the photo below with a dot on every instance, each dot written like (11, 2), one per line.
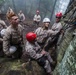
(59, 15)
(30, 36)
(37, 11)
(46, 20)
(12, 49)
(3, 32)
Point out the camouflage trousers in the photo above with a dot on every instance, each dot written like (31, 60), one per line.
(45, 64)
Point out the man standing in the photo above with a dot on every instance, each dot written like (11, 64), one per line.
(37, 18)
(13, 38)
(21, 16)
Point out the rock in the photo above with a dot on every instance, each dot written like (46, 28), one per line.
(68, 63)
(14, 67)
(66, 40)
(67, 49)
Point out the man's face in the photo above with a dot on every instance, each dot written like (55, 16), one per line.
(14, 20)
(58, 19)
(46, 24)
(37, 13)
(20, 12)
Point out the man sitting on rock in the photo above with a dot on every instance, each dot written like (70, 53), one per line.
(13, 38)
(34, 51)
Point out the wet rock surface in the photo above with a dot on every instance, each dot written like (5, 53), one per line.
(66, 61)
(14, 67)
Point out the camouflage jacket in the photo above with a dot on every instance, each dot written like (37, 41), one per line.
(42, 34)
(37, 18)
(33, 50)
(12, 37)
(55, 29)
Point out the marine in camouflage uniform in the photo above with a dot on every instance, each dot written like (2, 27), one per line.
(42, 32)
(42, 35)
(36, 53)
(13, 37)
(56, 32)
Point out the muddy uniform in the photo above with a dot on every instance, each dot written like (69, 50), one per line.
(45, 36)
(37, 19)
(13, 37)
(35, 53)
(55, 28)
(2, 26)
(54, 32)
(42, 35)
(21, 17)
